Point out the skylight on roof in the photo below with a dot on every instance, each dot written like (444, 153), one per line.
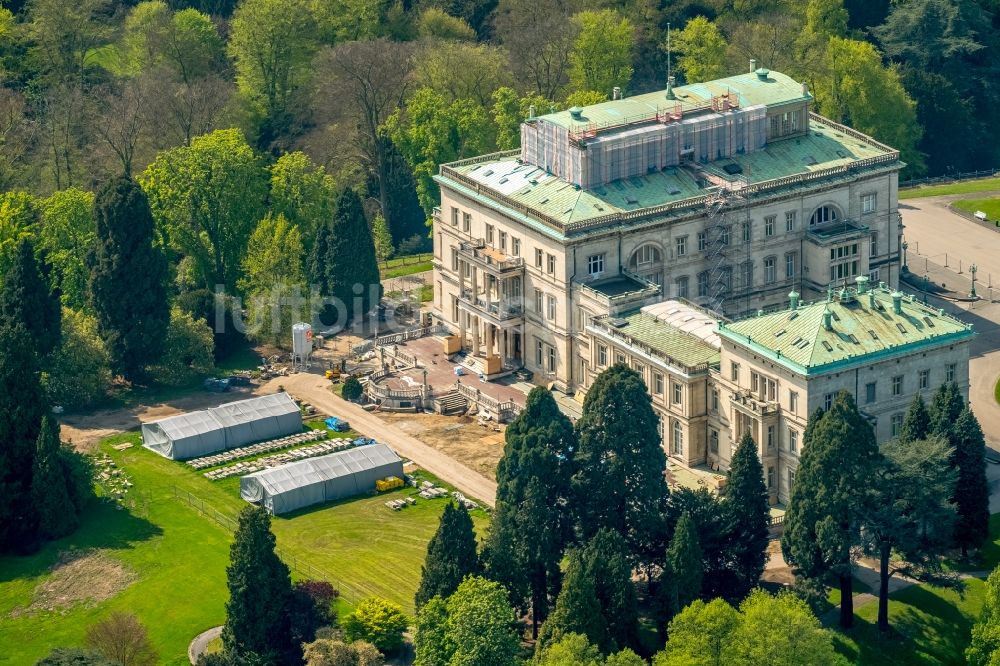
(927, 320)
(827, 346)
(873, 334)
(854, 339)
(901, 329)
(779, 333)
(792, 316)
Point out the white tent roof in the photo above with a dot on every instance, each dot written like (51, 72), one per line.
(284, 478)
(189, 424)
(254, 409)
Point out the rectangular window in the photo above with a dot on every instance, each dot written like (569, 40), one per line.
(754, 382)
(675, 393)
(681, 244)
(595, 264)
(640, 369)
(770, 270)
(677, 446)
(873, 276)
(925, 376)
(746, 231)
(897, 385)
(870, 392)
(538, 258)
(713, 440)
(538, 301)
(619, 358)
(897, 424)
(551, 267)
(827, 401)
(454, 216)
(466, 222)
(734, 371)
(702, 241)
(489, 234)
(791, 480)
(769, 225)
(949, 373)
(793, 440)
(539, 353)
(790, 265)
(682, 287)
(790, 221)
(602, 355)
(770, 437)
(703, 284)
(503, 241)
(747, 274)
(515, 246)
(770, 477)
(867, 203)
(724, 236)
(715, 400)
(793, 402)
(454, 309)
(550, 312)
(772, 390)
(658, 384)
(873, 245)
(552, 359)
(454, 259)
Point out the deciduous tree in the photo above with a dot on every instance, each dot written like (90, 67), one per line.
(481, 625)
(79, 369)
(187, 351)
(984, 650)
(123, 639)
(451, 555)
(379, 622)
(540, 41)
(602, 52)
(65, 234)
(702, 50)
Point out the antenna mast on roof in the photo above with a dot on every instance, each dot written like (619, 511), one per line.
(670, 78)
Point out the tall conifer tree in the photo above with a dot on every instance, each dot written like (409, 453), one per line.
(830, 497)
(917, 422)
(128, 276)
(620, 483)
(606, 560)
(532, 524)
(350, 258)
(257, 620)
(972, 493)
(685, 561)
(398, 195)
(748, 512)
(451, 555)
(50, 489)
(22, 406)
(27, 299)
(945, 408)
(577, 609)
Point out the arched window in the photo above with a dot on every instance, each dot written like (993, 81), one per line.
(647, 262)
(822, 215)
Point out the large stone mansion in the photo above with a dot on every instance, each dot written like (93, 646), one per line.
(624, 231)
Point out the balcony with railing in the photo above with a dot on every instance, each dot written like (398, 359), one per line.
(489, 258)
(502, 309)
(836, 232)
(749, 403)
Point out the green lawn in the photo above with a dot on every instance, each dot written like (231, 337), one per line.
(401, 266)
(963, 187)
(989, 206)
(179, 556)
(929, 626)
(988, 557)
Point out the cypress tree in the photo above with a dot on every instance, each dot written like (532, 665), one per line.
(620, 484)
(972, 494)
(577, 610)
(22, 406)
(830, 497)
(532, 524)
(606, 560)
(50, 493)
(451, 556)
(685, 561)
(27, 299)
(128, 275)
(350, 258)
(398, 194)
(260, 589)
(945, 408)
(748, 513)
(917, 423)
(316, 271)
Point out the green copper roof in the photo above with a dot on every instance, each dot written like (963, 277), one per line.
(859, 333)
(659, 336)
(827, 146)
(750, 89)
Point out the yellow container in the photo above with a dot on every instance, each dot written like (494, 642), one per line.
(388, 483)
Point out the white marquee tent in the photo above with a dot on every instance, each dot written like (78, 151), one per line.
(200, 433)
(323, 479)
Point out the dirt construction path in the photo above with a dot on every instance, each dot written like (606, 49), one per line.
(315, 390)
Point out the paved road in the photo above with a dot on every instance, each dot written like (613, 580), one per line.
(200, 643)
(315, 390)
(935, 230)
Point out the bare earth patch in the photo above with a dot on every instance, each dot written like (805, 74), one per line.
(458, 436)
(79, 577)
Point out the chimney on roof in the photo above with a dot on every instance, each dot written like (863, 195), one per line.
(576, 112)
(531, 112)
(828, 319)
(805, 89)
(862, 281)
(616, 93)
(793, 300)
(897, 302)
(753, 65)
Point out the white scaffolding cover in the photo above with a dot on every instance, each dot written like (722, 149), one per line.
(200, 433)
(316, 480)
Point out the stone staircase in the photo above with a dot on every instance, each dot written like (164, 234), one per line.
(450, 403)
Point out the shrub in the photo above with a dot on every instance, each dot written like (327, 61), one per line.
(378, 622)
(352, 389)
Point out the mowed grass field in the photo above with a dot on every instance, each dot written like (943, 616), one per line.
(989, 206)
(961, 187)
(166, 562)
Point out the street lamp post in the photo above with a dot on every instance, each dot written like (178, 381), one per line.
(972, 269)
(905, 246)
